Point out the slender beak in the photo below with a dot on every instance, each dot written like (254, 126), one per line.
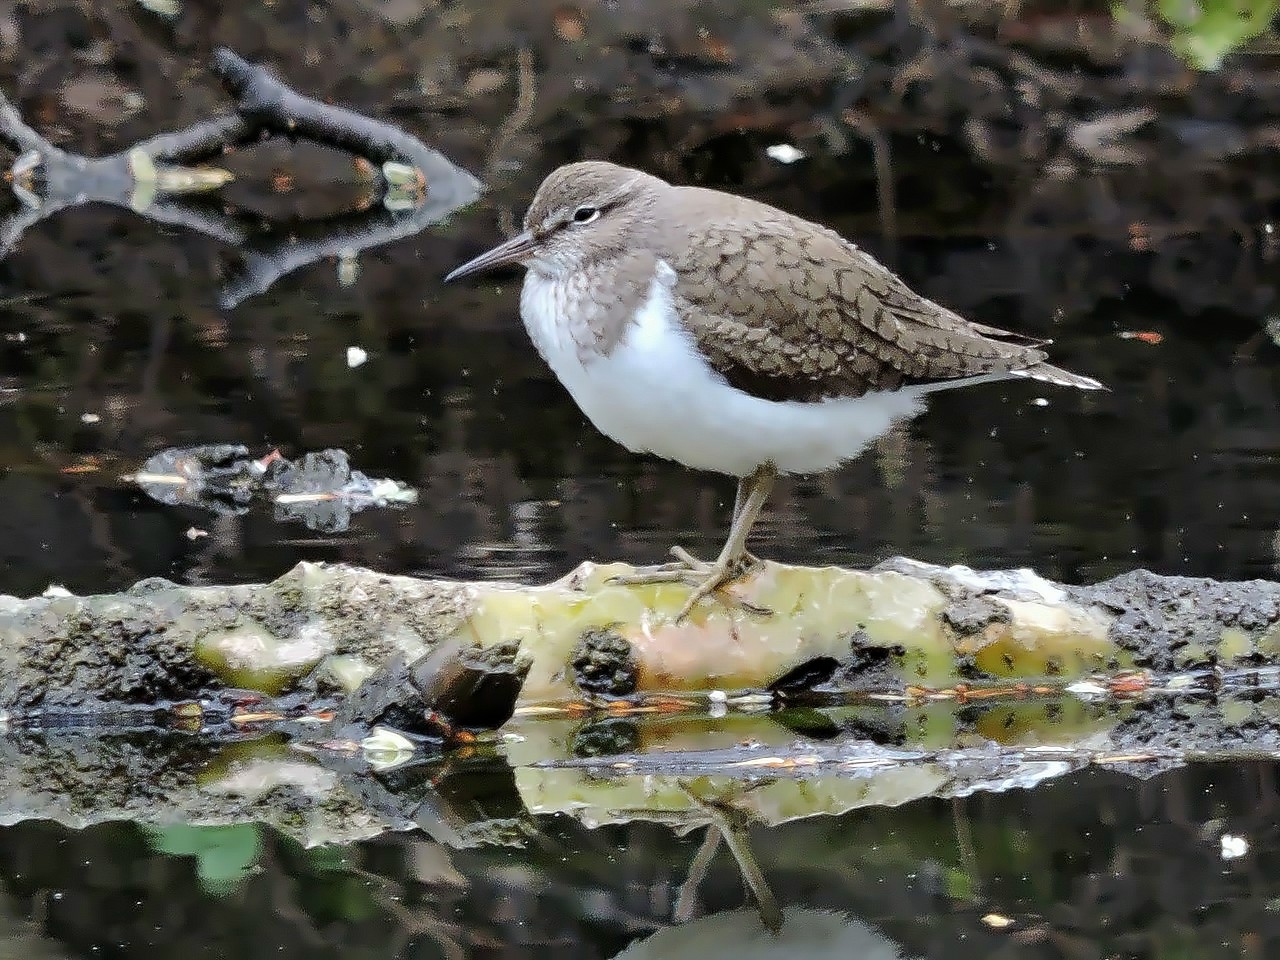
(513, 251)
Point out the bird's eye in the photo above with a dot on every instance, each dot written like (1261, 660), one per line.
(585, 215)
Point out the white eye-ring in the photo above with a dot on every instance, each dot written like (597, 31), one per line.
(585, 214)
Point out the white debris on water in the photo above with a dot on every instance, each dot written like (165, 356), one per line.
(1087, 689)
(784, 153)
(1233, 847)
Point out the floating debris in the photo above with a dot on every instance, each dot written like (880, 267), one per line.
(88, 464)
(348, 274)
(386, 748)
(1087, 688)
(169, 9)
(406, 186)
(356, 356)
(1233, 847)
(320, 490)
(784, 153)
(1145, 336)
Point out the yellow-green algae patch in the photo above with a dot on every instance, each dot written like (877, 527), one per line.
(1041, 639)
(255, 658)
(816, 612)
(1237, 645)
(347, 671)
(1233, 644)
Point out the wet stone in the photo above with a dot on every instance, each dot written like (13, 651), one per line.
(806, 676)
(603, 663)
(473, 686)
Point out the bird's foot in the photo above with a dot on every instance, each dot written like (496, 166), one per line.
(705, 578)
(746, 561)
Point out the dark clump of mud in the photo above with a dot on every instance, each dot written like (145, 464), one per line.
(603, 663)
(78, 653)
(869, 667)
(1156, 616)
(971, 615)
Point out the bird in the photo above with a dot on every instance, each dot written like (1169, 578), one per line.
(730, 336)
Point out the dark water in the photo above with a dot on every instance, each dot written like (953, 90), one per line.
(1173, 470)
(114, 347)
(1096, 866)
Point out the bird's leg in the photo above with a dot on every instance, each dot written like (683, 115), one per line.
(685, 561)
(739, 499)
(704, 577)
(728, 566)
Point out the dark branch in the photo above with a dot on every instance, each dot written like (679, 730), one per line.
(199, 143)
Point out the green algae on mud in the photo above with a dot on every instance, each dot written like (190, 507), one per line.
(327, 631)
(827, 612)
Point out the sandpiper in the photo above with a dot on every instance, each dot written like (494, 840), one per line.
(731, 336)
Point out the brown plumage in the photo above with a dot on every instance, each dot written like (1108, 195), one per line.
(783, 308)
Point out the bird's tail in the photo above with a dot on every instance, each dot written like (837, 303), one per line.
(1048, 373)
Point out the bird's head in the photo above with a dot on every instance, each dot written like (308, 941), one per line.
(583, 212)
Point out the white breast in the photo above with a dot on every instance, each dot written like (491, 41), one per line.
(655, 393)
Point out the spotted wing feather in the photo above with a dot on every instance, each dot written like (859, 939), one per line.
(788, 310)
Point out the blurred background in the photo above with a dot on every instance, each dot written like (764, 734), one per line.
(1103, 172)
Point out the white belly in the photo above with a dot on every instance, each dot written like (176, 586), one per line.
(655, 393)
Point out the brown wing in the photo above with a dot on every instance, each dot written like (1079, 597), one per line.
(791, 311)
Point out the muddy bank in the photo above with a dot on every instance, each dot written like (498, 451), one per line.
(141, 705)
(337, 704)
(326, 633)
